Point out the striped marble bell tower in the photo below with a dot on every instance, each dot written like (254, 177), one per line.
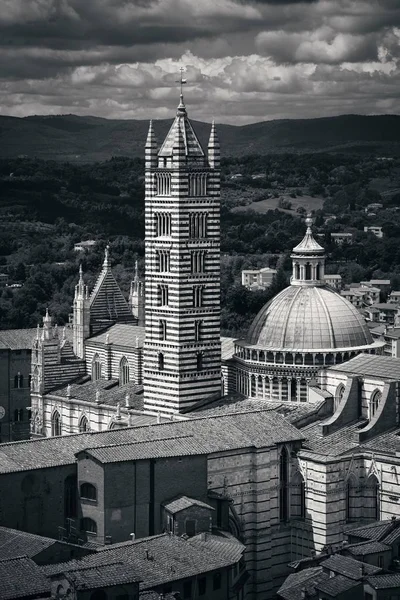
(182, 353)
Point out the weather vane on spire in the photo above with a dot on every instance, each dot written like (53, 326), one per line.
(181, 80)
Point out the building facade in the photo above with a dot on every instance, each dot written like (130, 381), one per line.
(182, 353)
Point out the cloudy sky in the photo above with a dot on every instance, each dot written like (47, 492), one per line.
(245, 60)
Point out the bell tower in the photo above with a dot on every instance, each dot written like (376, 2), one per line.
(182, 352)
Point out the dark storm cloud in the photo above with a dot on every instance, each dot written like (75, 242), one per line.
(244, 59)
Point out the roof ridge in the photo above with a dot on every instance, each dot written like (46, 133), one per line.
(174, 437)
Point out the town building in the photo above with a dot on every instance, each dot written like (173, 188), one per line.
(394, 297)
(361, 295)
(391, 337)
(375, 230)
(381, 312)
(258, 279)
(342, 238)
(334, 280)
(85, 245)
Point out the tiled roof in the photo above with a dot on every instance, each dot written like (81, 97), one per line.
(367, 548)
(192, 145)
(393, 535)
(110, 392)
(377, 531)
(92, 577)
(349, 567)
(209, 434)
(107, 302)
(20, 577)
(224, 543)
(380, 582)
(387, 443)
(120, 334)
(22, 339)
(306, 580)
(227, 347)
(337, 585)
(237, 403)
(157, 560)
(15, 543)
(334, 444)
(385, 367)
(183, 502)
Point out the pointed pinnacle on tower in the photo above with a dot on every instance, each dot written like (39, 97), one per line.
(214, 157)
(107, 263)
(179, 148)
(151, 148)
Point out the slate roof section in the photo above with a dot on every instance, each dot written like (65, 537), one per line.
(378, 531)
(373, 365)
(111, 393)
(387, 443)
(381, 582)
(337, 585)
(20, 577)
(106, 575)
(107, 303)
(15, 543)
(22, 339)
(184, 502)
(208, 434)
(337, 443)
(366, 548)
(120, 334)
(306, 580)
(224, 543)
(193, 147)
(349, 567)
(227, 347)
(170, 558)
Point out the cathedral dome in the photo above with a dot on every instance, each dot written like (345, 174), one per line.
(309, 318)
(309, 315)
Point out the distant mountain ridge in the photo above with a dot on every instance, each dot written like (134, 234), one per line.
(88, 139)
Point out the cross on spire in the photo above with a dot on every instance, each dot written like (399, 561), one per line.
(181, 80)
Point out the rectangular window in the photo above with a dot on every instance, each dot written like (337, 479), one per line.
(197, 261)
(163, 223)
(202, 586)
(163, 295)
(197, 296)
(163, 329)
(198, 225)
(163, 184)
(187, 589)
(380, 561)
(163, 261)
(197, 330)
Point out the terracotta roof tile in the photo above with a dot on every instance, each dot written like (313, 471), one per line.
(20, 577)
(157, 560)
(183, 502)
(201, 435)
(337, 585)
(380, 582)
(349, 567)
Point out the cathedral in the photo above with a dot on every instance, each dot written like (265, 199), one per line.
(308, 372)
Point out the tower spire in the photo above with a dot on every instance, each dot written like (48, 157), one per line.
(214, 156)
(151, 148)
(107, 263)
(181, 106)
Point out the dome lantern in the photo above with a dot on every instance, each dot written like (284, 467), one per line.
(308, 260)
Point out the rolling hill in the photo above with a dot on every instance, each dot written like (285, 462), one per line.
(88, 139)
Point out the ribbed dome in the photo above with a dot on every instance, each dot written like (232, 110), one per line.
(309, 318)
